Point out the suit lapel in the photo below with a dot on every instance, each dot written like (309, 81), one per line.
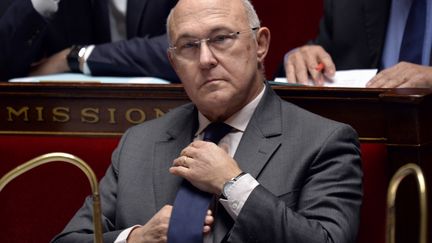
(259, 142)
(165, 151)
(261, 138)
(135, 9)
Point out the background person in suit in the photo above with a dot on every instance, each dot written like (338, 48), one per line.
(363, 35)
(303, 180)
(115, 37)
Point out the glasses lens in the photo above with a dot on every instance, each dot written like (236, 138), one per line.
(186, 48)
(217, 42)
(222, 42)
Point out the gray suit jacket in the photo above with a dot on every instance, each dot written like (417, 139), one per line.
(308, 168)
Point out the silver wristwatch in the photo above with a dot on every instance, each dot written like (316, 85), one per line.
(228, 185)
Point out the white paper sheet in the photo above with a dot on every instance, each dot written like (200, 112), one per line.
(356, 78)
(77, 77)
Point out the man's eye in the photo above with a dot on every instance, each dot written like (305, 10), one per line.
(189, 45)
(220, 38)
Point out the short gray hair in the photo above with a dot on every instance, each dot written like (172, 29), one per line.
(250, 12)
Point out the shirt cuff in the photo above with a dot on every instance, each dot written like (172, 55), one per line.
(86, 69)
(236, 198)
(122, 237)
(46, 8)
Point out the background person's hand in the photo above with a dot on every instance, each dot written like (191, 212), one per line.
(56, 63)
(403, 75)
(309, 60)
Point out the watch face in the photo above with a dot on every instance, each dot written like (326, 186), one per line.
(227, 188)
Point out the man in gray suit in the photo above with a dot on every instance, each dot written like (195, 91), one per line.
(302, 180)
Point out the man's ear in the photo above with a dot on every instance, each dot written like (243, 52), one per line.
(263, 41)
(171, 59)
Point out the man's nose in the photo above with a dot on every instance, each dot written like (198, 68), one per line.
(207, 58)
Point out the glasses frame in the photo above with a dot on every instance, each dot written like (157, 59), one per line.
(211, 39)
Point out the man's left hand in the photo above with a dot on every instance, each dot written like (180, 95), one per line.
(403, 75)
(205, 165)
(56, 63)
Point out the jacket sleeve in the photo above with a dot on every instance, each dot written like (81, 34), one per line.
(324, 37)
(139, 56)
(325, 209)
(22, 30)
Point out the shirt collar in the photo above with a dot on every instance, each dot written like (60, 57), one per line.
(238, 120)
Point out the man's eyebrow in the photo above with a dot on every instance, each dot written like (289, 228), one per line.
(188, 35)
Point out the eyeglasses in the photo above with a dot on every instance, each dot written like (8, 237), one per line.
(188, 48)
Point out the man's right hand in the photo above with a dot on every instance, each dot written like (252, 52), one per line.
(304, 61)
(156, 229)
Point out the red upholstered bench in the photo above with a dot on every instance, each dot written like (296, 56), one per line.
(38, 204)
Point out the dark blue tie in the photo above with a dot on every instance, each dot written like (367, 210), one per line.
(412, 42)
(191, 204)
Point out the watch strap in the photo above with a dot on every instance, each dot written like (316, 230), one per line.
(73, 58)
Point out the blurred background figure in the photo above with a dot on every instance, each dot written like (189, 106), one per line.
(96, 37)
(394, 36)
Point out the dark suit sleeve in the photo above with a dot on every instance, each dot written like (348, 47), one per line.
(22, 30)
(324, 37)
(144, 53)
(353, 32)
(140, 56)
(325, 209)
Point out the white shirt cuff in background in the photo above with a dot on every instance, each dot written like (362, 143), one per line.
(46, 8)
(88, 51)
(241, 189)
(122, 237)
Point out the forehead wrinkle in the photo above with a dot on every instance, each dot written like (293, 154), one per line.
(199, 19)
(188, 21)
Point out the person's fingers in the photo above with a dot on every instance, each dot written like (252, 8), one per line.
(185, 163)
(209, 220)
(329, 66)
(290, 74)
(377, 81)
(181, 161)
(301, 72)
(415, 81)
(313, 67)
(179, 171)
(206, 229)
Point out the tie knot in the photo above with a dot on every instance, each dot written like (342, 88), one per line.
(215, 131)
